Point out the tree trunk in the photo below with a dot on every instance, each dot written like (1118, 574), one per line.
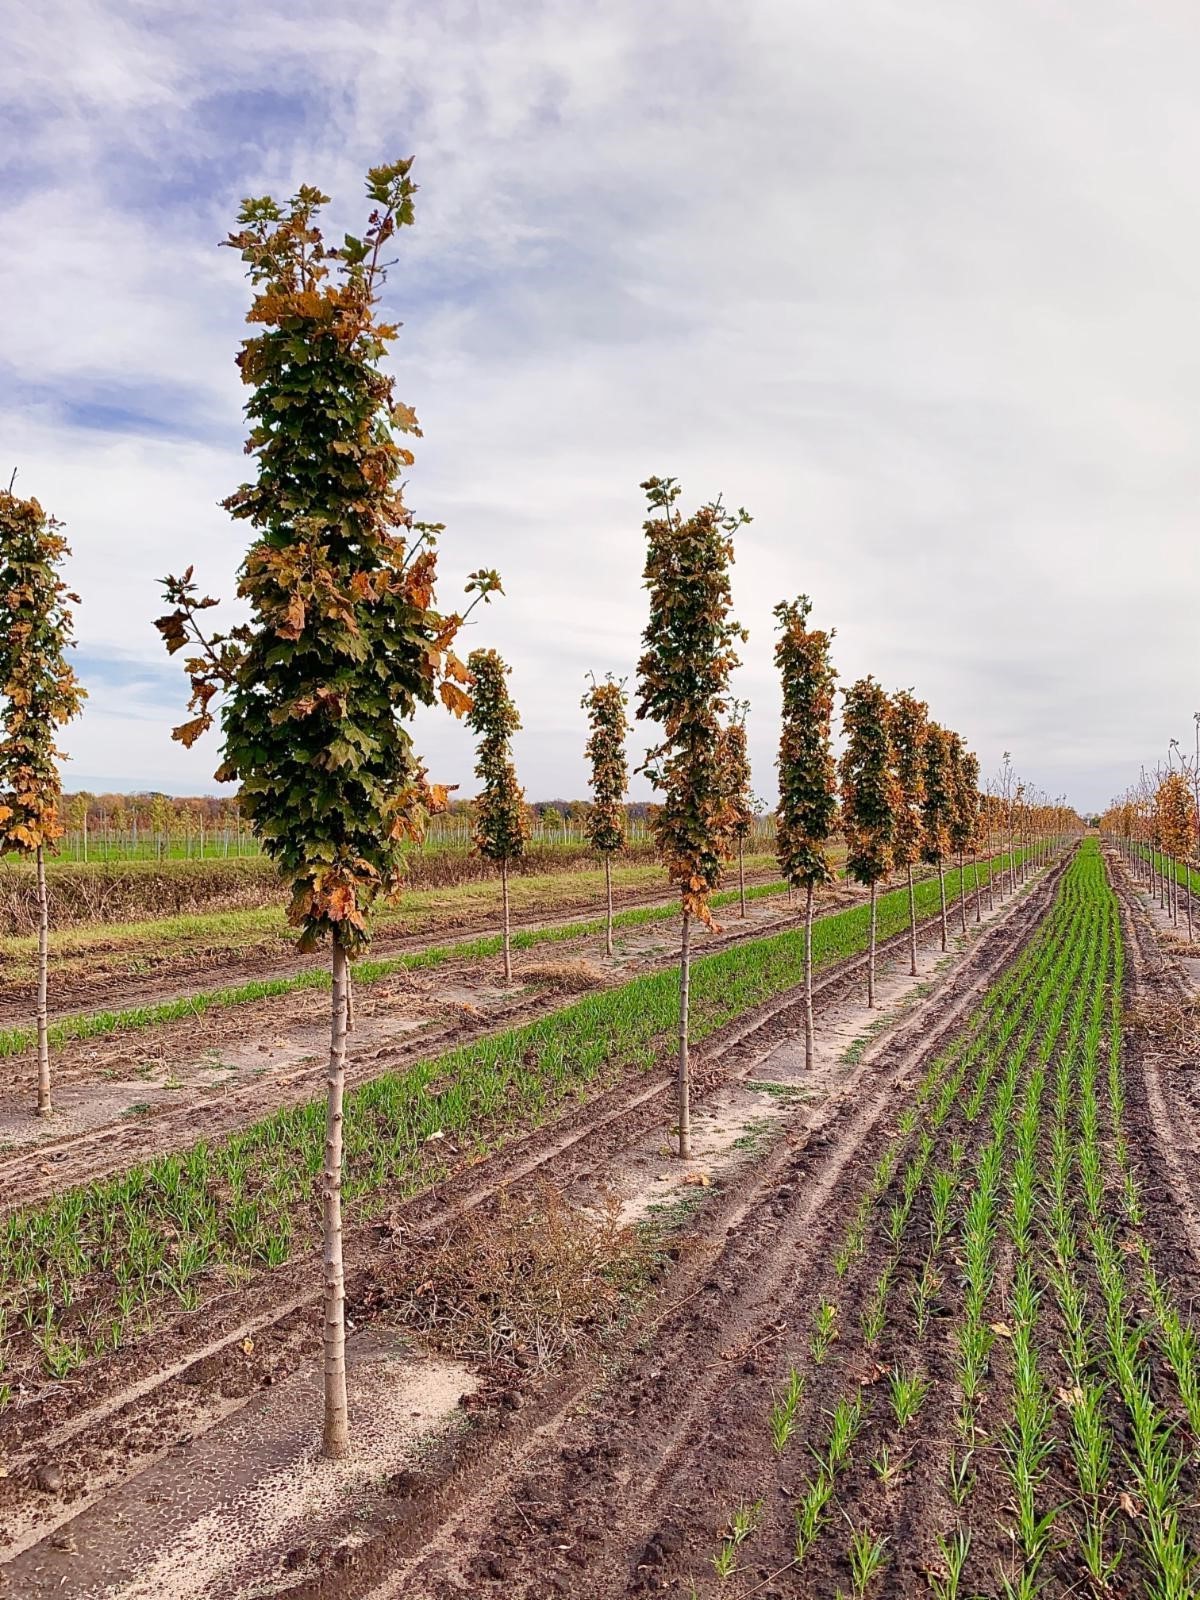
(85, 838)
(808, 1005)
(975, 882)
(1012, 862)
(349, 1000)
(43, 1038)
(962, 890)
(912, 924)
(507, 939)
(942, 881)
(608, 921)
(871, 951)
(742, 877)
(685, 981)
(336, 1438)
(1188, 898)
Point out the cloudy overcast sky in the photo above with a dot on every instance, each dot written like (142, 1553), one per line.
(916, 283)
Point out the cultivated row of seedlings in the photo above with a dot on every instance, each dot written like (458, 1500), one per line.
(1000, 1394)
(87, 1272)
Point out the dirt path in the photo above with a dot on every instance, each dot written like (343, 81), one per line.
(750, 1260)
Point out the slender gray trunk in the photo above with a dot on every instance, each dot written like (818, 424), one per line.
(507, 935)
(942, 881)
(912, 924)
(43, 1033)
(962, 890)
(871, 951)
(685, 981)
(742, 877)
(349, 1000)
(336, 1437)
(808, 1005)
(608, 918)
(975, 881)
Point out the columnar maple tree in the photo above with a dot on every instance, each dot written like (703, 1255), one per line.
(499, 821)
(937, 808)
(39, 693)
(908, 721)
(963, 822)
(608, 725)
(1174, 818)
(870, 796)
(735, 759)
(683, 685)
(807, 811)
(343, 639)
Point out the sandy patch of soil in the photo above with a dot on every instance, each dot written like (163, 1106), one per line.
(251, 1501)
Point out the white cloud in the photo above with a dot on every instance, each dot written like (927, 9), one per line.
(917, 284)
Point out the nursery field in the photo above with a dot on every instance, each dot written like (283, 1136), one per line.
(914, 1321)
(144, 1296)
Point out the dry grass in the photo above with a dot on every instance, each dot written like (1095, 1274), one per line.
(1171, 1027)
(568, 977)
(531, 1280)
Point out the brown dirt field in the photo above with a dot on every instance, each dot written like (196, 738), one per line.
(581, 1481)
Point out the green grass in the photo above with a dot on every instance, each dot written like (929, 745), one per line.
(159, 1228)
(1006, 1159)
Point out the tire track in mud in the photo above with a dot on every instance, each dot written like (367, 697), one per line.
(151, 1395)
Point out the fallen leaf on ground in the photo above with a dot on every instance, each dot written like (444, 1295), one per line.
(1003, 1329)
(248, 1346)
(698, 1180)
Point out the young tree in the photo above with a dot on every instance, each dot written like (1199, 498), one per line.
(964, 812)
(870, 796)
(683, 685)
(343, 641)
(937, 808)
(1174, 818)
(908, 721)
(501, 823)
(807, 812)
(606, 820)
(39, 694)
(735, 761)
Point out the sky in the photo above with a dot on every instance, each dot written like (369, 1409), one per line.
(917, 284)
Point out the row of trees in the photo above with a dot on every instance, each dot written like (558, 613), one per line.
(316, 690)
(1156, 825)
